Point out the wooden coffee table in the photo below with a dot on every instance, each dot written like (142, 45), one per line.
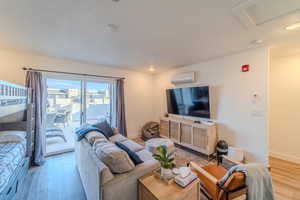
(153, 188)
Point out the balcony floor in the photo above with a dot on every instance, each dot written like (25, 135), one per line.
(57, 145)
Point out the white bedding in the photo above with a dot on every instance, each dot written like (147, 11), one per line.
(12, 136)
(11, 154)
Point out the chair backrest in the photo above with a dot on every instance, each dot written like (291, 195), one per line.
(50, 119)
(210, 176)
(236, 180)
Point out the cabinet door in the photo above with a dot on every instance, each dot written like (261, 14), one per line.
(164, 128)
(200, 139)
(174, 131)
(186, 134)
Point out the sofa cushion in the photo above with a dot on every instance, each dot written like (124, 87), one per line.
(106, 174)
(145, 155)
(133, 156)
(133, 146)
(105, 128)
(115, 158)
(117, 138)
(94, 135)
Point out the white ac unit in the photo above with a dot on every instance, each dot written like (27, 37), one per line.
(186, 77)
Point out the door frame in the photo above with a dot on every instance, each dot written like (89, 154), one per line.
(83, 80)
(112, 96)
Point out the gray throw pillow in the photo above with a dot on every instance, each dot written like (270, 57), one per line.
(105, 128)
(113, 157)
(93, 135)
(133, 156)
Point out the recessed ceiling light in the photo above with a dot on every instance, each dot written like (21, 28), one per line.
(113, 27)
(151, 68)
(293, 27)
(257, 42)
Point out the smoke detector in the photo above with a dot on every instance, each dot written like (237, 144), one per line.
(113, 27)
(257, 42)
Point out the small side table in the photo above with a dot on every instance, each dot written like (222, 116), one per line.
(152, 188)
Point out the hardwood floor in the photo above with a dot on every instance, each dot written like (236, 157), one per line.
(57, 179)
(286, 179)
(285, 175)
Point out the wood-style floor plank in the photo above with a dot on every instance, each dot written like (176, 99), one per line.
(286, 179)
(57, 179)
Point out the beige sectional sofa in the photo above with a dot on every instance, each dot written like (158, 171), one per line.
(100, 183)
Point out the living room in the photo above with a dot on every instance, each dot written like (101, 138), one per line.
(245, 58)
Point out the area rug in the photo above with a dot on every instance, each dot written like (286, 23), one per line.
(183, 156)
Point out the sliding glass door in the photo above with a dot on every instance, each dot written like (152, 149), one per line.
(71, 102)
(97, 102)
(63, 114)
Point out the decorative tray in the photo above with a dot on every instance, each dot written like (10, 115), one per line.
(157, 174)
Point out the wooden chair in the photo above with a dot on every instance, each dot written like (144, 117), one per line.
(234, 188)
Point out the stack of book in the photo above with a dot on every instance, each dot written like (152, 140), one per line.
(185, 177)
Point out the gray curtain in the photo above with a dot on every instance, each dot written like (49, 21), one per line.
(34, 80)
(120, 108)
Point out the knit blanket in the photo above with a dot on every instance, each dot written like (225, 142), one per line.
(258, 180)
(81, 132)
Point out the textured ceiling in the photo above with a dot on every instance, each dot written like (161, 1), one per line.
(168, 33)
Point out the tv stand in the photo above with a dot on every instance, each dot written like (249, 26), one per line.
(200, 137)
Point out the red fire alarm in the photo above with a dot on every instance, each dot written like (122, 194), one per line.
(245, 68)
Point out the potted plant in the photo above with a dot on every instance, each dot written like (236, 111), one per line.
(166, 161)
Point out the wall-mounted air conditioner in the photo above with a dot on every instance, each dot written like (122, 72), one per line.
(186, 77)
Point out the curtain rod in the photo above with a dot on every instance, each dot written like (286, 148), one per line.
(71, 73)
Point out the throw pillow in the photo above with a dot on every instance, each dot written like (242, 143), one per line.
(93, 135)
(133, 146)
(113, 157)
(117, 138)
(100, 140)
(134, 157)
(105, 128)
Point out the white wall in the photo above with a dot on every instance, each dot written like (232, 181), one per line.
(232, 92)
(138, 86)
(232, 95)
(285, 107)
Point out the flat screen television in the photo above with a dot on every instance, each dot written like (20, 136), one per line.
(192, 101)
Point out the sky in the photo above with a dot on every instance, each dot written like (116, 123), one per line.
(70, 84)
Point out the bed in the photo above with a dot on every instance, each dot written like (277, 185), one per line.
(14, 139)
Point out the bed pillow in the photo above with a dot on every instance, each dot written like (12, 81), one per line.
(113, 157)
(105, 128)
(12, 136)
(133, 156)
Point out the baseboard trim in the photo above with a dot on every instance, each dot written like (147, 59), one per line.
(286, 157)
